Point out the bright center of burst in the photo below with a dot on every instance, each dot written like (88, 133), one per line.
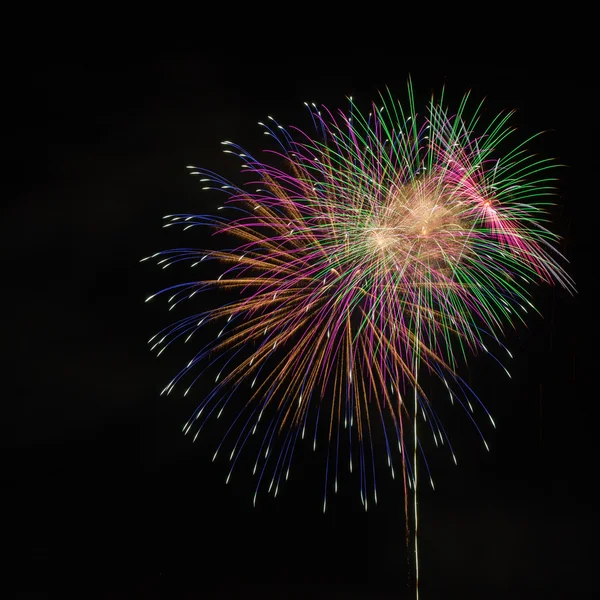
(381, 239)
(420, 225)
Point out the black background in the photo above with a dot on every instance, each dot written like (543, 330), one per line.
(106, 497)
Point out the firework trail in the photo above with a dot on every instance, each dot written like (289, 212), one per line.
(379, 250)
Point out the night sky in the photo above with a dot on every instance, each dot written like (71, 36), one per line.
(107, 498)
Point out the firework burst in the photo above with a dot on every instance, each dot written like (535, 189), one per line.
(373, 253)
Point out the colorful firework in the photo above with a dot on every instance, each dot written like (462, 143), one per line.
(384, 247)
